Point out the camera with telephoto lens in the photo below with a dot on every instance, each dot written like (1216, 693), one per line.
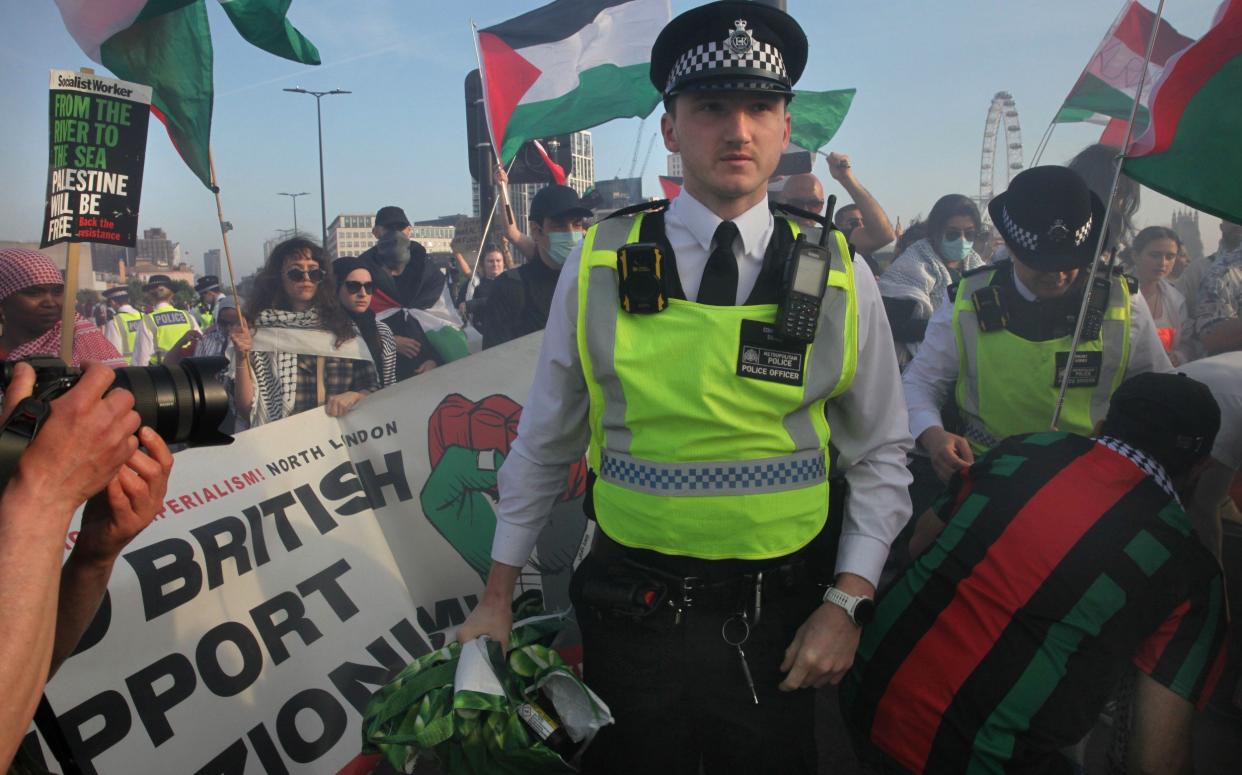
(184, 404)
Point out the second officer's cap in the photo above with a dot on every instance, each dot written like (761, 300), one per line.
(729, 46)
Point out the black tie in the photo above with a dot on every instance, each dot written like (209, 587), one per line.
(719, 285)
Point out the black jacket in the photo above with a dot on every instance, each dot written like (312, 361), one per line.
(519, 302)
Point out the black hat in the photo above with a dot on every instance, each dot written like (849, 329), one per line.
(208, 282)
(1049, 219)
(119, 292)
(158, 281)
(391, 216)
(734, 46)
(1171, 417)
(557, 202)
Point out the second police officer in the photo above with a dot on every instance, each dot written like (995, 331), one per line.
(166, 323)
(706, 426)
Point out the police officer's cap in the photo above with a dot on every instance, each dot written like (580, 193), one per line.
(158, 281)
(1049, 218)
(208, 282)
(119, 292)
(729, 46)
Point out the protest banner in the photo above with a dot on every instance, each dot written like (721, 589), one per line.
(98, 144)
(292, 573)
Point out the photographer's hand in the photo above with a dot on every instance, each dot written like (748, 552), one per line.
(111, 520)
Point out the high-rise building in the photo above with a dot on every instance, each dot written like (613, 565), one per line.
(211, 262)
(155, 247)
(107, 259)
(580, 179)
(674, 165)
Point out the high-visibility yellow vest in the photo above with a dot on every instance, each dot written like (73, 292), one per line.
(691, 458)
(127, 324)
(1008, 385)
(167, 326)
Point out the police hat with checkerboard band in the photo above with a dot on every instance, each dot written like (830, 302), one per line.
(729, 46)
(1049, 219)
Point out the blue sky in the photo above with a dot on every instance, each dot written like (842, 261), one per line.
(925, 74)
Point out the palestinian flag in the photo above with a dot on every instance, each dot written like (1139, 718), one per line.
(166, 44)
(569, 65)
(1108, 86)
(1190, 152)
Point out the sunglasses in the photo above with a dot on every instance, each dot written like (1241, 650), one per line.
(357, 286)
(952, 235)
(298, 275)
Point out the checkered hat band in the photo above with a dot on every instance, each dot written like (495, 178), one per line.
(716, 478)
(714, 56)
(21, 268)
(1030, 240)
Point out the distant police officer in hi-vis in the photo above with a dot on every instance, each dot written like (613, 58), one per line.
(125, 330)
(703, 354)
(1003, 342)
(166, 323)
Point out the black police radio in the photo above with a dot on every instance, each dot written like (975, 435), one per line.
(803, 285)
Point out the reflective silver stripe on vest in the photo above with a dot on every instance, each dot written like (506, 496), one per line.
(827, 356)
(735, 477)
(973, 430)
(602, 309)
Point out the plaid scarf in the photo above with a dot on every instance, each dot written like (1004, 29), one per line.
(276, 373)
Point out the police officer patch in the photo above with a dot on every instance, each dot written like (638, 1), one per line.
(740, 40)
(764, 355)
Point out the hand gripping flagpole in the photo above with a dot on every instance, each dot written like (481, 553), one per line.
(1108, 212)
(504, 188)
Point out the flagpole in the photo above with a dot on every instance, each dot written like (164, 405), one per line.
(1043, 142)
(1108, 212)
(68, 320)
(487, 119)
(224, 235)
(487, 227)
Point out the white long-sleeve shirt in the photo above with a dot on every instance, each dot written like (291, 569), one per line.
(868, 421)
(930, 377)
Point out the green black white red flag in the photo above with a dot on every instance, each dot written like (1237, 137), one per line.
(166, 44)
(568, 65)
(1190, 152)
(1108, 86)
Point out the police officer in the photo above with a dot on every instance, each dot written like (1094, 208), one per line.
(704, 627)
(209, 293)
(166, 324)
(125, 330)
(1013, 322)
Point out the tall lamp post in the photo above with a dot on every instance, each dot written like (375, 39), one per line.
(294, 198)
(323, 202)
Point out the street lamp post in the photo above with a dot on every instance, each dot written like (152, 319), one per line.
(323, 202)
(294, 198)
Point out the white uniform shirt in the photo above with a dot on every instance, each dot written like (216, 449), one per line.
(143, 346)
(930, 377)
(868, 421)
(1223, 376)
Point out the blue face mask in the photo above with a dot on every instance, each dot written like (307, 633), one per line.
(957, 250)
(561, 244)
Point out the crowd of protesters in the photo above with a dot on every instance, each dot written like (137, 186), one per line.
(316, 332)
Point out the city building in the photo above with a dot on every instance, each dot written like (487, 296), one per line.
(674, 165)
(617, 193)
(580, 179)
(107, 259)
(211, 262)
(155, 247)
(280, 236)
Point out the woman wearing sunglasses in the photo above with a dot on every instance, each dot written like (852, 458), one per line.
(356, 288)
(918, 280)
(304, 350)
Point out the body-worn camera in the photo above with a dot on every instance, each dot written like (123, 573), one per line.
(184, 404)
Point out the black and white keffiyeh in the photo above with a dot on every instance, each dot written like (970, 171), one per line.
(1143, 461)
(920, 274)
(276, 373)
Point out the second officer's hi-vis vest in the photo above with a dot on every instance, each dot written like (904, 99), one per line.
(127, 324)
(167, 326)
(708, 434)
(1008, 385)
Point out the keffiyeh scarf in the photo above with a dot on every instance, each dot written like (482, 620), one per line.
(919, 274)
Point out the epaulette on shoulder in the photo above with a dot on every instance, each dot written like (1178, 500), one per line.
(656, 205)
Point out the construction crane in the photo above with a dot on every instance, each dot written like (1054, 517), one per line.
(638, 141)
(646, 158)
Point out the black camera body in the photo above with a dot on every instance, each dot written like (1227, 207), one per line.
(184, 404)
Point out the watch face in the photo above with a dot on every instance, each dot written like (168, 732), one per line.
(864, 612)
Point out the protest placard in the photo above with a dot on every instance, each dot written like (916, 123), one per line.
(292, 573)
(98, 143)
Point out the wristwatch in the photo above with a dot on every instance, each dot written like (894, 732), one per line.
(860, 609)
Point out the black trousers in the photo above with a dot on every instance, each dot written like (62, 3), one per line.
(680, 697)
